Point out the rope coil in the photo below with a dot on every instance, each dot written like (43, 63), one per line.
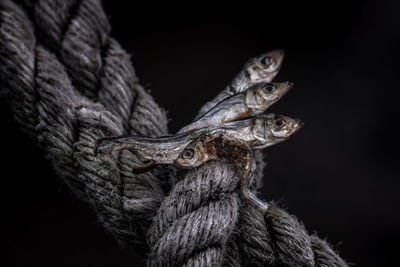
(69, 83)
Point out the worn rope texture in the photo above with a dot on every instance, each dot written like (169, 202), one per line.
(69, 83)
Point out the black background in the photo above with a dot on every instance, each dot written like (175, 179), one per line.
(338, 175)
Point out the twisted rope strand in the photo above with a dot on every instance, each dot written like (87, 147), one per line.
(67, 124)
(197, 217)
(78, 32)
(17, 66)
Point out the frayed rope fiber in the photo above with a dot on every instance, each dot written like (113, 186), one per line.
(69, 83)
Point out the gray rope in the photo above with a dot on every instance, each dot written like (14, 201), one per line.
(69, 83)
(196, 219)
(66, 123)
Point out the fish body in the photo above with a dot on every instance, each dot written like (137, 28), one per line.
(162, 150)
(253, 101)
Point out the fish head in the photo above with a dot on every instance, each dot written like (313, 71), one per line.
(193, 155)
(265, 67)
(272, 92)
(282, 127)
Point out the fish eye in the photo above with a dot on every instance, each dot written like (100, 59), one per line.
(270, 87)
(266, 61)
(188, 153)
(279, 123)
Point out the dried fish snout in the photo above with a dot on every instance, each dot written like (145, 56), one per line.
(271, 129)
(284, 127)
(261, 96)
(265, 67)
(195, 154)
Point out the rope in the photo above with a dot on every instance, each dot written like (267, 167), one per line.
(69, 83)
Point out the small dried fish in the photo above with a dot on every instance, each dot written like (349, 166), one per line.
(251, 102)
(163, 150)
(259, 132)
(262, 68)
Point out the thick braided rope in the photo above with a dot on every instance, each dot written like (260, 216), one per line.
(78, 85)
(66, 123)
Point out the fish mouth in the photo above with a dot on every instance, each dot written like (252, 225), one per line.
(290, 85)
(278, 52)
(277, 55)
(284, 91)
(300, 124)
(277, 58)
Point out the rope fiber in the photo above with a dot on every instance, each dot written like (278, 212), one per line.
(69, 83)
